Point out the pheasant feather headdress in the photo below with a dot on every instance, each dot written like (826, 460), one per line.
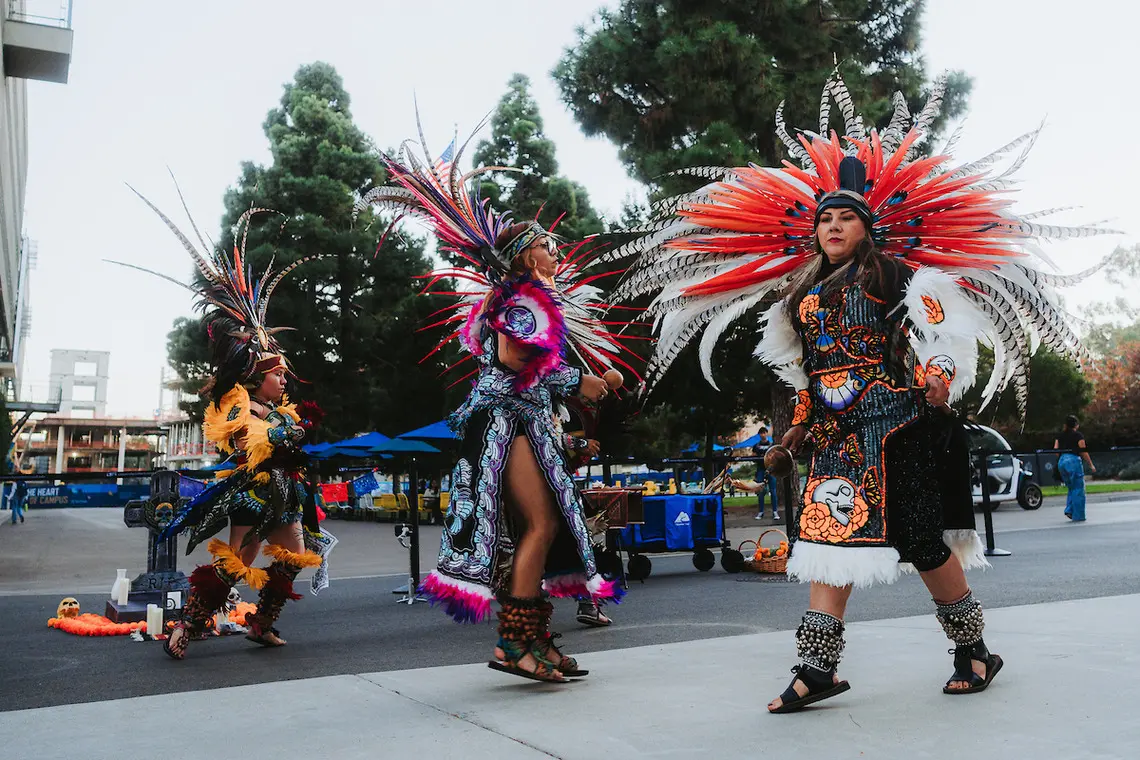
(717, 252)
(243, 346)
(434, 191)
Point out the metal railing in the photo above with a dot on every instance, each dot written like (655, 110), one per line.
(55, 13)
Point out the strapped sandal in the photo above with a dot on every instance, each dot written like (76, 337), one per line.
(964, 671)
(177, 650)
(820, 687)
(513, 653)
(258, 630)
(593, 615)
(547, 652)
(263, 641)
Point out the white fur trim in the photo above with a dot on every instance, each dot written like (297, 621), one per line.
(967, 547)
(858, 566)
(780, 347)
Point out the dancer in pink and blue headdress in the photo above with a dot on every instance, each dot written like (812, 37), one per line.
(515, 527)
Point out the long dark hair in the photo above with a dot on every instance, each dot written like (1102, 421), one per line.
(1071, 422)
(877, 273)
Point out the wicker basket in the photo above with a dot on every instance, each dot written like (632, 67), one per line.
(775, 565)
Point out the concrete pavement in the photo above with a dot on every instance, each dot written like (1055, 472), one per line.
(1065, 693)
(76, 551)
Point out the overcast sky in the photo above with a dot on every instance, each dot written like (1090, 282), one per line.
(154, 85)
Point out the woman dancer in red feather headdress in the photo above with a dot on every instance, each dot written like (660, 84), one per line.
(881, 270)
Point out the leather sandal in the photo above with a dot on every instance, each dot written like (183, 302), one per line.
(513, 653)
(820, 687)
(964, 670)
(548, 653)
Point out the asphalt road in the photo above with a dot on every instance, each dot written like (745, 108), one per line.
(355, 626)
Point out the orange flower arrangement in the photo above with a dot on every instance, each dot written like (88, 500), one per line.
(89, 624)
(764, 552)
(238, 614)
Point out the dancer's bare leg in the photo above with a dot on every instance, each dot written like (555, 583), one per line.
(530, 496)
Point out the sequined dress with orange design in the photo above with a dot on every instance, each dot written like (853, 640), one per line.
(860, 391)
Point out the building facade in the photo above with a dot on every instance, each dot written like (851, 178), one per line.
(79, 380)
(36, 38)
(64, 444)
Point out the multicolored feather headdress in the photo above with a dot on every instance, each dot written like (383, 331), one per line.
(243, 346)
(590, 343)
(437, 193)
(719, 251)
(434, 191)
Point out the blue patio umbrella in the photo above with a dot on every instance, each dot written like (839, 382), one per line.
(365, 441)
(339, 451)
(437, 431)
(748, 443)
(405, 446)
(316, 448)
(696, 447)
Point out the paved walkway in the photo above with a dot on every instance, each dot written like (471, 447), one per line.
(1064, 693)
(77, 550)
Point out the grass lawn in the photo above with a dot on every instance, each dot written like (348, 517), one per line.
(1106, 487)
(1109, 487)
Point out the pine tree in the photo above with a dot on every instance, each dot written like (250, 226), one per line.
(518, 141)
(355, 346)
(676, 84)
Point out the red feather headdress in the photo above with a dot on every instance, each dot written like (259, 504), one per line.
(719, 251)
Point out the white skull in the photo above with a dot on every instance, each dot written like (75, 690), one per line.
(233, 600)
(839, 496)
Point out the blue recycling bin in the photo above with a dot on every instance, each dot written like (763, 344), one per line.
(677, 524)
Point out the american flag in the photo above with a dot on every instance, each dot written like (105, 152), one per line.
(444, 161)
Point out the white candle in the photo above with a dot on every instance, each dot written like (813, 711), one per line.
(153, 619)
(124, 589)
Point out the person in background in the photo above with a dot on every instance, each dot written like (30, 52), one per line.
(18, 500)
(1071, 443)
(766, 478)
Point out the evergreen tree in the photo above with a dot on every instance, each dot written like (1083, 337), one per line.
(677, 84)
(517, 141)
(355, 346)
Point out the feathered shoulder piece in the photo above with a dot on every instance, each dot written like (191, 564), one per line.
(589, 343)
(713, 254)
(227, 419)
(242, 343)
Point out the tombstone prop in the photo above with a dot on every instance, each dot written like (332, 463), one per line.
(162, 583)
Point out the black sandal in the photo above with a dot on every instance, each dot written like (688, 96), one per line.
(820, 687)
(964, 671)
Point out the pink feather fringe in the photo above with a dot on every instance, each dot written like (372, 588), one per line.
(575, 586)
(464, 602)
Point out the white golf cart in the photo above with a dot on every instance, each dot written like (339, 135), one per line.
(1010, 479)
